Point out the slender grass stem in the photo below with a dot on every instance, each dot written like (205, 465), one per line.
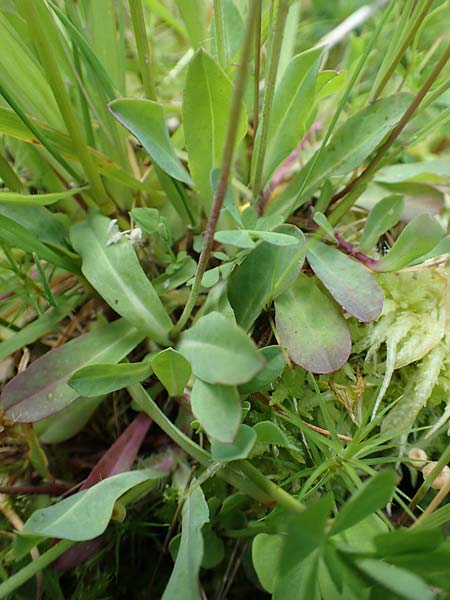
(220, 35)
(143, 49)
(257, 73)
(269, 92)
(352, 192)
(62, 98)
(22, 576)
(225, 171)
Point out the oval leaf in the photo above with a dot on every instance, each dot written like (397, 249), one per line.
(348, 281)
(384, 215)
(104, 379)
(114, 271)
(42, 389)
(220, 352)
(146, 120)
(312, 329)
(217, 408)
(272, 370)
(85, 515)
(239, 449)
(172, 369)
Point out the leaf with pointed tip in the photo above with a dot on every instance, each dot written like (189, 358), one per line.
(311, 327)
(419, 237)
(145, 119)
(217, 408)
(238, 449)
(240, 238)
(115, 272)
(42, 390)
(263, 275)
(206, 111)
(384, 215)
(219, 351)
(172, 369)
(401, 582)
(352, 142)
(97, 379)
(85, 515)
(37, 199)
(348, 281)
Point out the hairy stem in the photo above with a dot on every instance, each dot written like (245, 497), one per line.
(225, 171)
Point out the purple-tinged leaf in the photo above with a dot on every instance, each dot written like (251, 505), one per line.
(42, 389)
(311, 327)
(348, 281)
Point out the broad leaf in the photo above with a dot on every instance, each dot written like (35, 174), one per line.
(42, 389)
(408, 541)
(270, 434)
(114, 271)
(419, 237)
(311, 327)
(97, 379)
(384, 215)
(146, 120)
(172, 369)
(238, 449)
(37, 199)
(266, 554)
(85, 515)
(217, 408)
(292, 105)
(352, 142)
(429, 170)
(273, 369)
(399, 581)
(183, 582)
(263, 275)
(348, 281)
(206, 112)
(372, 496)
(219, 351)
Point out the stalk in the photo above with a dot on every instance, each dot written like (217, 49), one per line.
(352, 192)
(143, 49)
(220, 36)
(261, 146)
(225, 171)
(257, 74)
(38, 26)
(35, 566)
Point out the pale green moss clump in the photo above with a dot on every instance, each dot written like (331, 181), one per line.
(414, 327)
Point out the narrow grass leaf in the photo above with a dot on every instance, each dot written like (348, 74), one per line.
(37, 199)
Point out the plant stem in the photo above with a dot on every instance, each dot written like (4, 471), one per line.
(353, 190)
(220, 37)
(225, 171)
(8, 175)
(19, 578)
(46, 54)
(143, 49)
(257, 73)
(411, 33)
(274, 60)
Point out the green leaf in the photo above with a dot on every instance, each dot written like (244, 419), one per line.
(239, 449)
(64, 425)
(429, 170)
(183, 582)
(273, 369)
(352, 142)
(384, 215)
(241, 238)
(403, 583)
(271, 435)
(114, 271)
(217, 408)
(146, 120)
(172, 369)
(148, 219)
(42, 390)
(85, 515)
(37, 199)
(419, 237)
(194, 15)
(408, 541)
(219, 351)
(372, 496)
(98, 379)
(206, 111)
(266, 554)
(292, 105)
(442, 247)
(348, 281)
(301, 583)
(233, 29)
(277, 239)
(263, 275)
(311, 327)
